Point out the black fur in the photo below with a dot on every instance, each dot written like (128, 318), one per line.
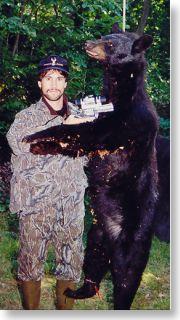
(162, 210)
(122, 166)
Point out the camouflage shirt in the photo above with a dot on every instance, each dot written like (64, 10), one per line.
(41, 179)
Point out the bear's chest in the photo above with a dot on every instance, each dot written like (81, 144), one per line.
(107, 166)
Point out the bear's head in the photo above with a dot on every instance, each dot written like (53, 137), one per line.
(119, 47)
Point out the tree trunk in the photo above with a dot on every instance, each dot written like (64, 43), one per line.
(55, 6)
(16, 43)
(145, 13)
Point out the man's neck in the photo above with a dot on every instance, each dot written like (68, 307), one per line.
(56, 105)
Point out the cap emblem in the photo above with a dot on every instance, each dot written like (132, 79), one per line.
(53, 60)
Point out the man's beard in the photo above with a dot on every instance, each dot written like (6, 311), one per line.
(53, 97)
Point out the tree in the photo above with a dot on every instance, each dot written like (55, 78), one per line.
(144, 17)
(31, 29)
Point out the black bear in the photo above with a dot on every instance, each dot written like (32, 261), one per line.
(162, 210)
(122, 168)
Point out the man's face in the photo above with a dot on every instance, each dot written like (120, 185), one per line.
(53, 85)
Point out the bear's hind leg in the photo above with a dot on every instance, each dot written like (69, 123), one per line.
(128, 264)
(96, 264)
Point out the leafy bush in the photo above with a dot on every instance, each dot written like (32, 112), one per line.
(32, 29)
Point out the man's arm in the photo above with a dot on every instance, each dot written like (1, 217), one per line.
(19, 128)
(26, 122)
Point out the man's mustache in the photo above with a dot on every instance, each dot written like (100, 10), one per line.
(53, 90)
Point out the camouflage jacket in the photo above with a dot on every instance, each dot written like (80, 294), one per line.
(41, 179)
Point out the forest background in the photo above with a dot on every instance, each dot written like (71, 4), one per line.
(32, 29)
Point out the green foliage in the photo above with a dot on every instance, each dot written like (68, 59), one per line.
(3, 127)
(29, 30)
(9, 244)
(4, 204)
(165, 127)
(158, 87)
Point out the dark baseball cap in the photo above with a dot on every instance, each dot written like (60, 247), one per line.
(53, 62)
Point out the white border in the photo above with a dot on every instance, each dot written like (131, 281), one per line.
(175, 211)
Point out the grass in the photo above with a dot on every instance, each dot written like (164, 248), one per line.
(153, 293)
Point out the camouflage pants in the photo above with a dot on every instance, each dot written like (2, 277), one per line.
(40, 229)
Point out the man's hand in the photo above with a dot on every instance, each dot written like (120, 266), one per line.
(73, 120)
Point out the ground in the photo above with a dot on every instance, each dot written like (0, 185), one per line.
(153, 293)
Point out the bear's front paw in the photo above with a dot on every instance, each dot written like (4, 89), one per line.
(45, 147)
(38, 136)
(31, 138)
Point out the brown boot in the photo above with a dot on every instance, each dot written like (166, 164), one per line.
(30, 291)
(63, 302)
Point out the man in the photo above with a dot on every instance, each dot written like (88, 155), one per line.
(47, 192)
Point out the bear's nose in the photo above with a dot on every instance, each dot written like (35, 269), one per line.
(89, 44)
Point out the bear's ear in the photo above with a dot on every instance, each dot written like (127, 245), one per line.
(141, 44)
(115, 28)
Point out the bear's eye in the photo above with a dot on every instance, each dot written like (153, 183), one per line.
(122, 55)
(110, 44)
